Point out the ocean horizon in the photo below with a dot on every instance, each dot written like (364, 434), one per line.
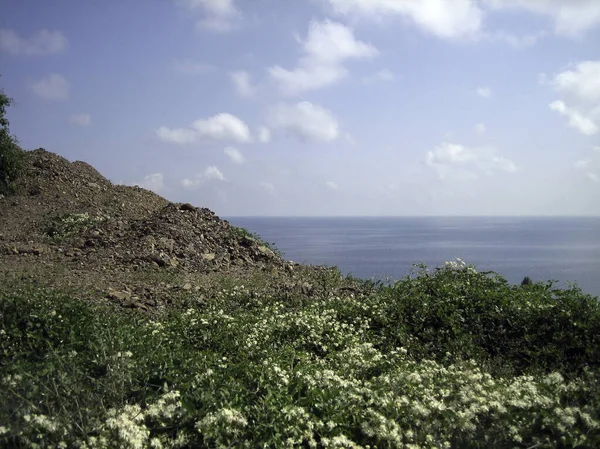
(565, 249)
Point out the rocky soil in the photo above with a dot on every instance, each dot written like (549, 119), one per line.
(68, 227)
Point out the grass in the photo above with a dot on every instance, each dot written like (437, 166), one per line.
(445, 358)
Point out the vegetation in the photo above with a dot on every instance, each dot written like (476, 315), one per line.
(243, 233)
(12, 158)
(62, 226)
(445, 358)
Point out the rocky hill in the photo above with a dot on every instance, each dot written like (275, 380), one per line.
(66, 226)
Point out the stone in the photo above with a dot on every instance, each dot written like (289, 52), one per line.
(119, 295)
(187, 207)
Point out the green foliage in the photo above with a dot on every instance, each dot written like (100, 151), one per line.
(242, 233)
(12, 158)
(447, 358)
(472, 315)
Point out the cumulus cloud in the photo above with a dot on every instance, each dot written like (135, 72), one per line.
(570, 18)
(306, 121)
(234, 155)
(582, 82)
(441, 18)
(456, 162)
(43, 42)
(576, 119)
(217, 15)
(460, 19)
(52, 87)
(223, 127)
(179, 136)
(243, 85)
(226, 127)
(264, 134)
(154, 182)
(484, 92)
(327, 46)
(579, 88)
(211, 173)
(80, 120)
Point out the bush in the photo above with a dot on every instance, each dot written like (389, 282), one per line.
(12, 158)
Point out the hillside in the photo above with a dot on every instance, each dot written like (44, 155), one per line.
(67, 226)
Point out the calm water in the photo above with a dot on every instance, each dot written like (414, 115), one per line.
(564, 249)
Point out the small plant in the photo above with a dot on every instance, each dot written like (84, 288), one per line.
(60, 227)
(243, 233)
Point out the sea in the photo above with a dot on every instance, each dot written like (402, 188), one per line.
(563, 249)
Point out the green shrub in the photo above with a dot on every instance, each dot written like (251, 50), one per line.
(12, 158)
(243, 233)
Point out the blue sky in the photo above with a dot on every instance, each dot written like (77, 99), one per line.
(318, 107)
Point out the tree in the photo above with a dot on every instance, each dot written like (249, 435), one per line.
(12, 158)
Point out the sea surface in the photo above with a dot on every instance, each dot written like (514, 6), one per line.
(565, 249)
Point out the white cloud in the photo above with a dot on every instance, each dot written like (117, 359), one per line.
(53, 87)
(576, 119)
(44, 42)
(571, 17)
(211, 173)
(234, 155)
(480, 128)
(180, 136)
(218, 15)
(484, 92)
(191, 67)
(582, 83)
(579, 88)
(80, 119)
(463, 19)
(223, 126)
(331, 185)
(442, 18)
(264, 134)
(457, 162)
(242, 83)
(154, 182)
(306, 121)
(327, 46)
(593, 177)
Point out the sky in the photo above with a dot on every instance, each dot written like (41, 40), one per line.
(318, 107)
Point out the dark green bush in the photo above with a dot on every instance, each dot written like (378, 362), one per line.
(478, 316)
(12, 158)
